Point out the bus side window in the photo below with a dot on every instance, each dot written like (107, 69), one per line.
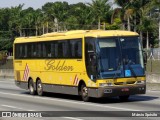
(60, 49)
(79, 50)
(51, 51)
(25, 51)
(76, 48)
(29, 52)
(72, 49)
(16, 51)
(39, 50)
(66, 49)
(90, 58)
(44, 51)
(33, 50)
(22, 51)
(56, 50)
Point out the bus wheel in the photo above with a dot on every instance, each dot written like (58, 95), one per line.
(31, 87)
(124, 98)
(84, 93)
(39, 88)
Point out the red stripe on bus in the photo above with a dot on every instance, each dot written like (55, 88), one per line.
(74, 79)
(26, 73)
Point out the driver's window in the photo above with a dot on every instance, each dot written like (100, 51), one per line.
(90, 57)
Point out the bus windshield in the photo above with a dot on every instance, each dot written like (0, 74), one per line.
(120, 57)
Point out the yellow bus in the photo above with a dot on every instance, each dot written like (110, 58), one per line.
(89, 63)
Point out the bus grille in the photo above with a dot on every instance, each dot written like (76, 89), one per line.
(125, 83)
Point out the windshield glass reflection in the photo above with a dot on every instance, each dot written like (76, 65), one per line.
(120, 57)
(132, 56)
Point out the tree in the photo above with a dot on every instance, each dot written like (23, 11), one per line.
(145, 24)
(122, 12)
(38, 18)
(55, 11)
(115, 25)
(83, 14)
(15, 22)
(100, 8)
(148, 25)
(155, 9)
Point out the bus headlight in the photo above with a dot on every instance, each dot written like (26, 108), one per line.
(141, 82)
(105, 84)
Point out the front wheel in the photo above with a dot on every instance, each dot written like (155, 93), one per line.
(39, 88)
(124, 98)
(84, 93)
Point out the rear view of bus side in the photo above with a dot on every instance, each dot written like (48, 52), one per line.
(89, 63)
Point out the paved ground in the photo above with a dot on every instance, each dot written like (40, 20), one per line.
(16, 99)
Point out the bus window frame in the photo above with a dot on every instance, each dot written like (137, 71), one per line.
(42, 43)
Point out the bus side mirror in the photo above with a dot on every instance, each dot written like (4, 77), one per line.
(92, 56)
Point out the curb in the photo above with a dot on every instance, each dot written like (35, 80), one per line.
(153, 86)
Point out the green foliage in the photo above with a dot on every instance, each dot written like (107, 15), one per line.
(116, 25)
(2, 55)
(60, 16)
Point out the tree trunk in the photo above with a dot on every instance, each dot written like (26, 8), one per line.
(123, 26)
(47, 27)
(104, 26)
(159, 31)
(141, 33)
(147, 43)
(20, 32)
(141, 36)
(43, 28)
(36, 30)
(129, 27)
(135, 23)
(99, 23)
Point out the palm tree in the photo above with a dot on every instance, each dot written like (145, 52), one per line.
(15, 22)
(128, 13)
(29, 21)
(38, 20)
(148, 25)
(83, 16)
(143, 11)
(55, 11)
(154, 5)
(119, 12)
(100, 8)
(135, 9)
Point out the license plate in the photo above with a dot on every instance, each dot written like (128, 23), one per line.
(125, 89)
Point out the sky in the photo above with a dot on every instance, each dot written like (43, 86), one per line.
(35, 3)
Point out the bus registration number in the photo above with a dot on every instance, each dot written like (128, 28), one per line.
(125, 89)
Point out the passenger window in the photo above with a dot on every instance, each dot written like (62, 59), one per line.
(76, 48)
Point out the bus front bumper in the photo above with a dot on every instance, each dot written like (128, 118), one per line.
(113, 91)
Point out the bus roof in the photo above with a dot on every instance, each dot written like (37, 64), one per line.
(75, 34)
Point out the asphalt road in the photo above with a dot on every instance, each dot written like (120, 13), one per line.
(68, 107)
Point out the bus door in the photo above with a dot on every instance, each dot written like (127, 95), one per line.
(91, 58)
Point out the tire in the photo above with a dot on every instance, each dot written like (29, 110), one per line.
(39, 88)
(31, 87)
(124, 98)
(84, 93)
